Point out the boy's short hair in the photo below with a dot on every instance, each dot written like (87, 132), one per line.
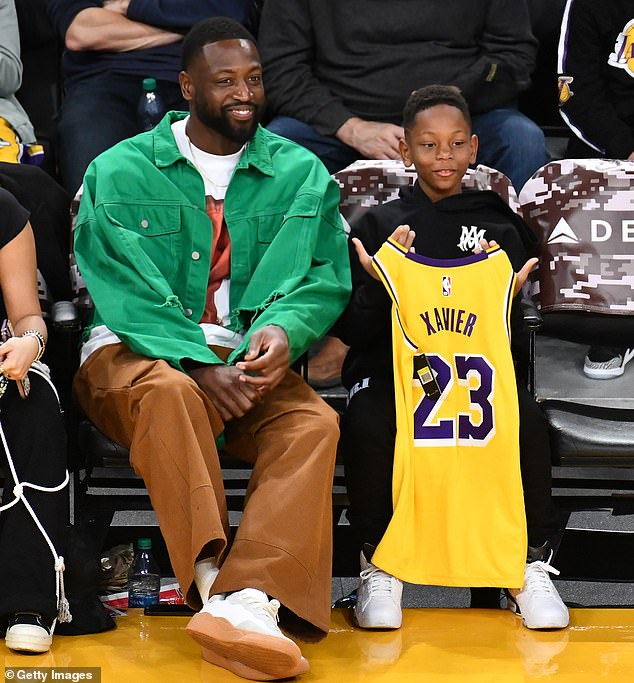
(431, 96)
(211, 31)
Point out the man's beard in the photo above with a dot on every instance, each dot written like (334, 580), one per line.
(221, 122)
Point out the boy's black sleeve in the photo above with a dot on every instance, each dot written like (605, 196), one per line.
(367, 315)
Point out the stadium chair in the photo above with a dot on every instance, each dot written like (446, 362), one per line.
(582, 210)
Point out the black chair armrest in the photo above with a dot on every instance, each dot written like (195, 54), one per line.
(530, 312)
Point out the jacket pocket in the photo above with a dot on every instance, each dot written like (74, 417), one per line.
(151, 220)
(152, 231)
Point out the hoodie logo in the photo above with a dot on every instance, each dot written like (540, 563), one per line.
(470, 238)
(623, 55)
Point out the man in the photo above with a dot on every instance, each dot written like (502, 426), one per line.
(111, 46)
(338, 74)
(596, 99)
(211, 219)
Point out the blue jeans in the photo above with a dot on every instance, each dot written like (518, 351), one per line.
(509, 142)
(97, 113)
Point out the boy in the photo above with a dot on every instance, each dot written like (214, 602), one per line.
(439, 143)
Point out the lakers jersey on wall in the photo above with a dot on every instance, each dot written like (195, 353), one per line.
(457, 492)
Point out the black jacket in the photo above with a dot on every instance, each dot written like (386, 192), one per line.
(598, 103)
(328, 60)
(446, 229)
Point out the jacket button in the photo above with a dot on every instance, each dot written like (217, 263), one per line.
(195, 255)
(188, 312)
(145, 223)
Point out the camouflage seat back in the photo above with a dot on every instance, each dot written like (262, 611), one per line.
(582, 211)
(363, 184)
(368, 183)
(81, 298)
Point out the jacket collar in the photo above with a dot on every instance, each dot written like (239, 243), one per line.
(166, 150)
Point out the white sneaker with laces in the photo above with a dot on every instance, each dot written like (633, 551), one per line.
(606, 362)
(378, 598)
(538, 603)
(240, 633)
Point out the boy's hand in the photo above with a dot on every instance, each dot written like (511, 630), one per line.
(403, 235)
(521, 277)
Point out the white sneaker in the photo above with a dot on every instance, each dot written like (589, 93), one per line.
(603, 362)
(240, 633)
(28, 632)
(538, 603)
(378, 598)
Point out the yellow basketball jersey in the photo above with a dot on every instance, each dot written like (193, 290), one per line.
(457, 492)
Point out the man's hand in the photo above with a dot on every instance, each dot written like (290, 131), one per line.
(521, 277)
(631, 157)
(267, 359)
(403, 235)
(373, 139)
(222, 385)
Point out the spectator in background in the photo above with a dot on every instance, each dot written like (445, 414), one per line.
(338, 74)
(596, 100)
(111, 46)
(17, 137)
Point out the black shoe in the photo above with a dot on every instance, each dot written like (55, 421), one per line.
(29, 632)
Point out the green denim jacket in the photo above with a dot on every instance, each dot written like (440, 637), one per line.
(143, 245)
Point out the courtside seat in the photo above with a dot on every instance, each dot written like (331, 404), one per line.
(581, 210)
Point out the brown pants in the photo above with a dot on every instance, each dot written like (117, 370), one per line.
(284, 543)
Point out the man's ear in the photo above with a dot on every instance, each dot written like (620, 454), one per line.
(474, 149)
(187, 87)
(403, 148)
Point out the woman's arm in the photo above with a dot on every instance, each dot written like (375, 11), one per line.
(18, 281)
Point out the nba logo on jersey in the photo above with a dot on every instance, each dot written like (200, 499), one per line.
(446, 285)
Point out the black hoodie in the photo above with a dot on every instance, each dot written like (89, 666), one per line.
(447, 229)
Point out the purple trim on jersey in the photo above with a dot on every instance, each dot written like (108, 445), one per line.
(408, 341)
(508, 301)
(386, 279)
(387, 283)
(450, 263)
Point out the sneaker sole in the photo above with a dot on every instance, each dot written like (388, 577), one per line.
(392, 626)
(268, 655)
(247, 672)
(543, 626)
(25, 643)
(603, 374)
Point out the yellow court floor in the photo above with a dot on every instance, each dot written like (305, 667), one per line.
(448, 645)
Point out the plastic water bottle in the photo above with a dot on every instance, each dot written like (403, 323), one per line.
(151, 108)
(144, 579)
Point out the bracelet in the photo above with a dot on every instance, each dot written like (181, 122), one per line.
(41, 342)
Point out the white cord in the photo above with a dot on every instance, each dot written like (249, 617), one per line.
(63, 610)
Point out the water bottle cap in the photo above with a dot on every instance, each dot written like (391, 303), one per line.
(149, 84)
(144, 543)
